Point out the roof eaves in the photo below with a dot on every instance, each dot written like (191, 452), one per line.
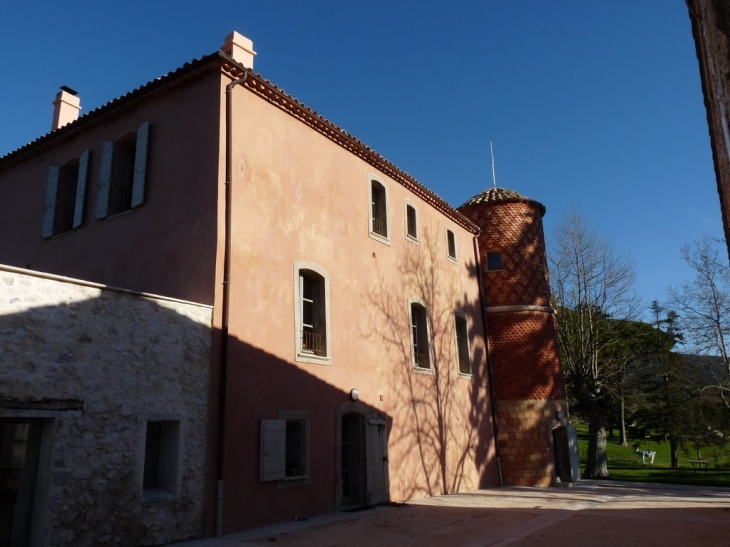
(279, 98)
(111, 105)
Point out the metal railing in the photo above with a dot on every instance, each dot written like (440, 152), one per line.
(422, 360)
(313, 342)
(380, 226)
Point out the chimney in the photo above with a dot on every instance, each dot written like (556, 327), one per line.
(240, 49)
(65, 108)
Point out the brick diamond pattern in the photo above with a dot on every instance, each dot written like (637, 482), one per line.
(529, 387)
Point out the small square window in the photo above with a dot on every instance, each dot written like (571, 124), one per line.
(285, 448)
(494, 260)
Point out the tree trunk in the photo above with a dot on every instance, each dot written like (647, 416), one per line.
(622, 424)
(596, 462)
(674, 451)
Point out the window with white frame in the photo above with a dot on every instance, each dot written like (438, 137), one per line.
(462, 344)
(122, 173)
(63, 208)
(420, 336)
(162, 441)
(379, 228)
(311, 312)
(284, 447)
(451, 244)
(411, 222)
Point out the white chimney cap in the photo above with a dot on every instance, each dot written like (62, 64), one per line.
(240, 49)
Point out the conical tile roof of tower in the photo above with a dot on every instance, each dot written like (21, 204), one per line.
(501, 195)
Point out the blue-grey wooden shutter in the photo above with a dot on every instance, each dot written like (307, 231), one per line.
(140, 164)
(49, 206)
(105, 180)
(81, 189)
(273, 450)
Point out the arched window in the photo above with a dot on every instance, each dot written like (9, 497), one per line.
(411, 222)
(379, 211)
(312, 313)
(420, 336)
(451, 244)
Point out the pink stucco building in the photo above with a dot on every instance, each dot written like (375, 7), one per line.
(349, 350)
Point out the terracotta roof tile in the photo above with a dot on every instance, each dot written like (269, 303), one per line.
(501, 195)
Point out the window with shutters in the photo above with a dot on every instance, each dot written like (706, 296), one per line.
(120, 189)
(379, 225)
(123, 173)
(411, 222)
(63, 209)
(462, 344)
(420, 334)
(312, 324)
(285, 448)
(161, 449)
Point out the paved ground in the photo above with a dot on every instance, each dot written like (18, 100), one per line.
(595, 513)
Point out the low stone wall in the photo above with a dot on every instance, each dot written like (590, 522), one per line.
(95, 365)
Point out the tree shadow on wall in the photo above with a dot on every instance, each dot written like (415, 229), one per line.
(444, 422)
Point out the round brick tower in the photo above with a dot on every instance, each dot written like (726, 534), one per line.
(523, 342)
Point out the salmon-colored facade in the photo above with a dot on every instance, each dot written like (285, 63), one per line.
(349, 355)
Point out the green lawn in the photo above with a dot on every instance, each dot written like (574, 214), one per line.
(625, 465)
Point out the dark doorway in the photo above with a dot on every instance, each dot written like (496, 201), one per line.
(352, 461)
(561, 455)
(19, 449)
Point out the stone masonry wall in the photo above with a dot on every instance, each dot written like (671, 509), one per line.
(128, 359)
(525, 440)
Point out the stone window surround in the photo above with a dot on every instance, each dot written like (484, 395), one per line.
(377, 237)
(299, 356)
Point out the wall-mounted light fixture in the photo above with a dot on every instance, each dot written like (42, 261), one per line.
(354, 394)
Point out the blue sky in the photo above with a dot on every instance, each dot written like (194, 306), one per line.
(595, 105)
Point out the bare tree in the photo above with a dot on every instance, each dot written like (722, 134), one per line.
(704, 306)
(593, 291)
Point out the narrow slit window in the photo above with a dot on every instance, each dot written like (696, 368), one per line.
(462, 345)
(419, 336)
(451, 244)
(379, 210)
(411, 222)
